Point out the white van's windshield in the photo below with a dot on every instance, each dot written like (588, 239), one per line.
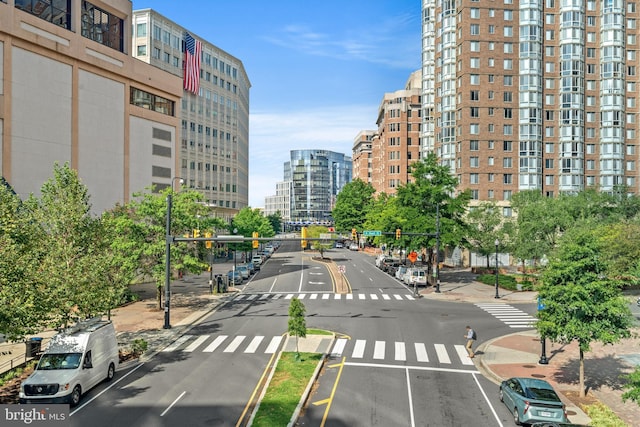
(59, 361)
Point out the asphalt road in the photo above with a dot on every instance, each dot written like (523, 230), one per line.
(397, 360)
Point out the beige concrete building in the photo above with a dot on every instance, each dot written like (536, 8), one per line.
(396, 143)
(214, 143)
(539, 95)
(71, 92)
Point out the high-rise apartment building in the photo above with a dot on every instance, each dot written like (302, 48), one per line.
(70, 92)
(214, 145)
(316, 178)
(397, 142)
(362, 155)
(280, 202)
(532, 95)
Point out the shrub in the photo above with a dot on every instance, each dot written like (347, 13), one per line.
(505, 281)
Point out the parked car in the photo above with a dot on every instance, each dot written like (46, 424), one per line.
(243, 270)
(339, 245)
(234, 276)
(415, 275)
(257, 261)
(387, 262)
(401, 271)
(532, 400)
(353, 247)
(251, 266)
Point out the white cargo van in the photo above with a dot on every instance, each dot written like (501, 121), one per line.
(75, 361)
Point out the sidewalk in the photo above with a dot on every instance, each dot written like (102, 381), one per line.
(518, 354)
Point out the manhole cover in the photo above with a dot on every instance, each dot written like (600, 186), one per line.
(528, 366)
(538, 375)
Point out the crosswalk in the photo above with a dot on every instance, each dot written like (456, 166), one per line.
(511, 316)
(399, 351)
(328, 296)
(353, 349)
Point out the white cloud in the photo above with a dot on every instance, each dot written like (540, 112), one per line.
(272, 135)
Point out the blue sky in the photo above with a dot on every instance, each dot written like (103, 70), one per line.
(318, 69)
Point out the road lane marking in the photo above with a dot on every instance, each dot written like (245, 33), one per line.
(374, 296)
(358, 350)
(401, 353)
(413, 367)
(410, 396)
(486, 398)
(337, 296)
(441, 351)
(177, 343)
(313, 296)
(289, 296)
(349, 296)
(253, 345)
(233, 346)
(197, 343)
(362, 296)
(326, 296)
(421, 352)
(173, 403)
(398, 297)
(378, 350)
(273, 284)
(338, 347)
(273, 345)
(216, 342)
(463, 355)
(264, 297)
(386, 297)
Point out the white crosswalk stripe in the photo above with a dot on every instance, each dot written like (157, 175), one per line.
(509, 315)
(373, 350)
(247, 298)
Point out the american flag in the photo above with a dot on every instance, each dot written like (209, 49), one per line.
(192, 51)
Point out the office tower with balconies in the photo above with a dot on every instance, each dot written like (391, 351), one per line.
(214, 113)
(532, 95)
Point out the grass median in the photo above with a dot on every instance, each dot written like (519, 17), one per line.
(288, 383)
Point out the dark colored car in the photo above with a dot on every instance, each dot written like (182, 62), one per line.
(531, 400)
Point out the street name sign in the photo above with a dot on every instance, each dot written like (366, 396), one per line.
(372, 233)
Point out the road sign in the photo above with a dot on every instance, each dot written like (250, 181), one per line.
(372, 233)
(413, 257)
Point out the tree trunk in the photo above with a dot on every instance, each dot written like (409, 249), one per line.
(488, 266)
(582, 389)
(159, 295)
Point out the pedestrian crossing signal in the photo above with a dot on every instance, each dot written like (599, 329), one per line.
(255, 243)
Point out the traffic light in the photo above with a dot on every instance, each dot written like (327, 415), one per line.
(398, 233)
(196, 234)
(303, 234)
(255, 243)
(207, 244)
(354, 234)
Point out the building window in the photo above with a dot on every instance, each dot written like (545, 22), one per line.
(475, 29)
(491, 177)
(475, 95)
(474, 145)
(507, 162)
(142, 50)
(475, 194)
(102, 27)
(56, 12)
(507, 145)
(506, 194)
(474, 162)
(152, 102)
(474, 178)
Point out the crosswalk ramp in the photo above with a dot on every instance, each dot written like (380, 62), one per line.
(355, 349)
(399, 351)
(509, 315)
(324, 296)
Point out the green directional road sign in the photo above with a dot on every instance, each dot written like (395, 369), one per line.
(372, 233)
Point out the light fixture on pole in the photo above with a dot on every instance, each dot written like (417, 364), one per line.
(497, 242)
(438, 248)
(167, 261)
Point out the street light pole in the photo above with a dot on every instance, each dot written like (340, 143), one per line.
(438, 248)
(167, 261)
(497, 242)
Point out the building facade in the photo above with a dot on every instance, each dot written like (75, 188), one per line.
(280, 202)
(362, 155)
(396, 144)
(532, 95)
(214, 143)
(70, 92)
(316, 177)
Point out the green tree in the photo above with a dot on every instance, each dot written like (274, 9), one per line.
(353, 203)
(315, 231)
(149, 212)
(485, 225)
(22, 282)
(74, 288)
(297, 323)
(581, 303)
(429, 196)
(247, 221)
(632, 387)
(620, 243)
(276, 221)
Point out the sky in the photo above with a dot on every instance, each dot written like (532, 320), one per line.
(318, 69)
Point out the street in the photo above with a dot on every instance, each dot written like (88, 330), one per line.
(396, 360)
